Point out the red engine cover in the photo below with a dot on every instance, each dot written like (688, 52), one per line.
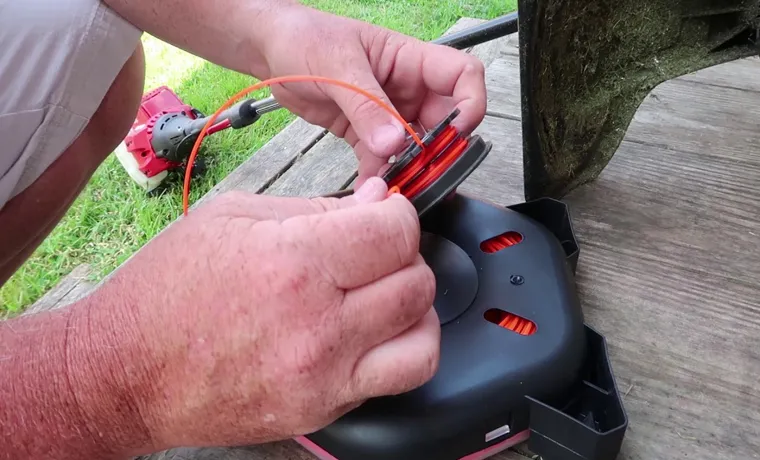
(154, 105)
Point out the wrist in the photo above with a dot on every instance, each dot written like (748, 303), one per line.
(109, 378)
(264, 30)
(66, 397)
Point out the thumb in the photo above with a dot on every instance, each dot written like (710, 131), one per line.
(380, 132)
(372, 190)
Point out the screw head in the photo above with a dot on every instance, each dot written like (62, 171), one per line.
(516, 280)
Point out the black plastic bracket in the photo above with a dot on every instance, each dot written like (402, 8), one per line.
(555, 216)
(592, 423)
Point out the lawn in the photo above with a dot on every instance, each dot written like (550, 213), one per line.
(113, 217)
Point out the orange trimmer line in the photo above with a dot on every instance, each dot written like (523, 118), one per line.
(274, 81)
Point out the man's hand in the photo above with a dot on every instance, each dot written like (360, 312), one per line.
(281, 314)
(422, 81)
(253, 319)
(270, 38)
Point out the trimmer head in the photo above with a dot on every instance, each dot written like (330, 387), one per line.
(427, 174)
(517, 361)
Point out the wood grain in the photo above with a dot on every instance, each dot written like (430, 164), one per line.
(71, 288)
(326, 167)
(271, 160)
(679, 114)
(499, 177)
(503, 83)
(670, 267)
(741, 74)
(691, 117)
(674, 286)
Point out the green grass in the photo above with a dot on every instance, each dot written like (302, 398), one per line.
(113, 218)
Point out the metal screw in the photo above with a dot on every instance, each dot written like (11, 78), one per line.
(516, 280)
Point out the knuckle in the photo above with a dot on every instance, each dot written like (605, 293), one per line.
(430, 364)
(231, 198)
(426, 287)
(475, 66)
(362, 106)
(408, 232)
(324, 204)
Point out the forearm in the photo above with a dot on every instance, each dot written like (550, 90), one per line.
(65, 390)
(229, 33)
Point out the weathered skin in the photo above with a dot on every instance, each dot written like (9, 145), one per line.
(587, 65)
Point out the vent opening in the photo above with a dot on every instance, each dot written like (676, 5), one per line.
(510, 321)
(500, 242)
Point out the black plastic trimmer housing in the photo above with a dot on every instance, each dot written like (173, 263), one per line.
(517, 361)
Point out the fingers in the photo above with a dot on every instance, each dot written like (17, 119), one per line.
(387, 307)
(452, 73)
(280, 208)
(369, 165)
(380, 131)
(357, 245)
(401, 364)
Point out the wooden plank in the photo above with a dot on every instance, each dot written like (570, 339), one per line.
(271, 160)
(327, 167)
(71, 288)
(503, 83)
(499, 178)
(690, 117)
(669, 272)
(674, 286)
(740, 74)
(678, 115)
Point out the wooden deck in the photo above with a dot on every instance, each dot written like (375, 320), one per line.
(670, 251)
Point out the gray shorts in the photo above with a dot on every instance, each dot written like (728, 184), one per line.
(58, 58)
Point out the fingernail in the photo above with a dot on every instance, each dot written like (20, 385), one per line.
(373, 189)
(386, 140)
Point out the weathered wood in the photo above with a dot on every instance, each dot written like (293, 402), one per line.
(691, 117)
(71, 288)
(503, 83)
(679, 114)
(741, 74)
(327, 167)
(501, 171)
(670, 268)
(273, 159)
